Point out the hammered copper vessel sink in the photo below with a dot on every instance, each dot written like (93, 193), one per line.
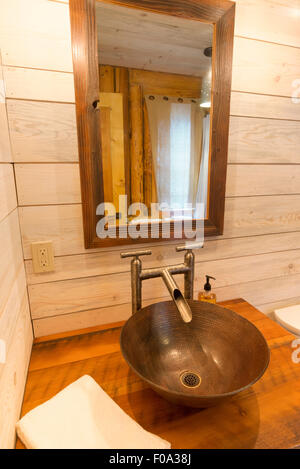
(197, 364)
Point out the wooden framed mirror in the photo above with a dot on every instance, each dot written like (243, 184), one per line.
(152, 86)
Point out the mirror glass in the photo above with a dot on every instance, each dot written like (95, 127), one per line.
(155, 98)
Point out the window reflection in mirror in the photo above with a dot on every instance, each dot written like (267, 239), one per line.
(155, 99)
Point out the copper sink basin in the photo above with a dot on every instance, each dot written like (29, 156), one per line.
(198, 364)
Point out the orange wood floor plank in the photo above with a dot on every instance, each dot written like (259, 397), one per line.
(264, 416)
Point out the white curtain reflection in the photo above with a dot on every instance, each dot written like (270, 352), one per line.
(203, 173)
(178, 149)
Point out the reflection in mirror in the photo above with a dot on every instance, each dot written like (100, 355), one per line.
(155, 99)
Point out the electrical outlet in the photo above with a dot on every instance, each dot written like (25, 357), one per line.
(42, 257)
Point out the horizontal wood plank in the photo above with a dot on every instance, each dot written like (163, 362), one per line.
(163, 83)
(40, 85)
(90, 318)
(109, 262)
(102, 293)
(268, 20)
(61, 224)
(74, 321)
(16, 301)
(5, 150)
(46, 132)
(51, 299)
(11, 256)
(249, 216)
(42, 132)
(268, 308)
(40, 184)
(84, 319)
(8, 199)
(243, 217)
(151, 42)
(253, 140)
(59, 322)
(13, 376)
(36, 34)
(248, 180)
(265, 291)
(259, 105)
(264, 68)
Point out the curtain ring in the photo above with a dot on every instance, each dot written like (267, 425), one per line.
(180, 100)
(151, 98)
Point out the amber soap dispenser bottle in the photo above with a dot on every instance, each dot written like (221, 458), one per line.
(207, 295)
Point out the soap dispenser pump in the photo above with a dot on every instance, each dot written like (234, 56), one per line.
(207, 295)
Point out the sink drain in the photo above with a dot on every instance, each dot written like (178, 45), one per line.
(190, 379)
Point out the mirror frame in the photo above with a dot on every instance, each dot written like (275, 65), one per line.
(221, 14)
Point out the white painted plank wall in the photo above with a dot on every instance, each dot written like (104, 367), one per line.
(15, 321)
(260, 247)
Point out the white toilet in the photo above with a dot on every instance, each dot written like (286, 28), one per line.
(289, 318)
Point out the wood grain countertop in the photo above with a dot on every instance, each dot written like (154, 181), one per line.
(264, 416)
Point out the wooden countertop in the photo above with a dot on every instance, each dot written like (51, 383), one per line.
(265, 416)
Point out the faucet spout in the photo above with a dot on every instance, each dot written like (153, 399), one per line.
(138, 275)
(179, 300)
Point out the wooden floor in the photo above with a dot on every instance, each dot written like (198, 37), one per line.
(265, 416)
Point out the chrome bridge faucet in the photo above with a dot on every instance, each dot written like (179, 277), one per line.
(138, 274)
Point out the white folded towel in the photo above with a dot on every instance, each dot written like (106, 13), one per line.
(83, 416)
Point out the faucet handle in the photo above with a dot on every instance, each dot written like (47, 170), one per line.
(189, 247)
(135, 254)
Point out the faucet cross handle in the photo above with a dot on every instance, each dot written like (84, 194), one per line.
(135, 254)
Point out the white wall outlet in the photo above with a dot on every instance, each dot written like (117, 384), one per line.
(42, 257)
